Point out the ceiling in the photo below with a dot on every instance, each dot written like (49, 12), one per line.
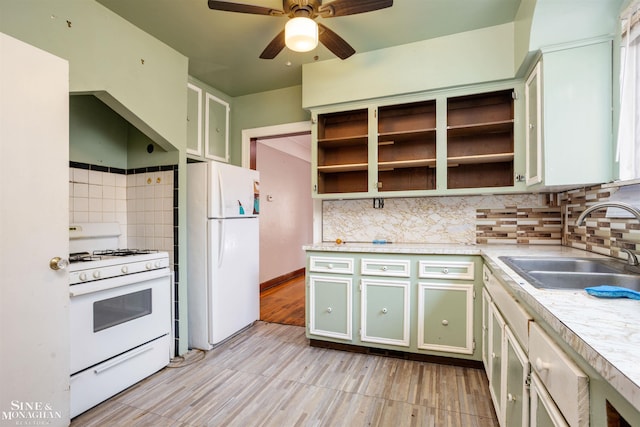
(224, 47)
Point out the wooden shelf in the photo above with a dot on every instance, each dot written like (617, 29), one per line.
(502, 126)
(387, 137)
(480, 158)
(344, 141)
(350, 167)
(398, 164)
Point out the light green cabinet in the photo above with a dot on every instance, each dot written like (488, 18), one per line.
(406, 302)
(445, 317)
(458, 141)
(569, 116)
(496, 338)
(329, 306)
(207, 125)
(516, 382)
(385, 312)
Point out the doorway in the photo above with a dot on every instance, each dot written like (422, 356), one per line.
(282, 154)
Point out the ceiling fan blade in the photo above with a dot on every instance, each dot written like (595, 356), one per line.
(335, 43)
(243, 8)
(352, 7)
(274, 48)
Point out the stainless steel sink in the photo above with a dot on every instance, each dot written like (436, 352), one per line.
(572, 273)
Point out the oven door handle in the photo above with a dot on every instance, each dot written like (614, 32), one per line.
(121, 359)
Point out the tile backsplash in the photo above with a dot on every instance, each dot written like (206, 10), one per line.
(450, 219)
(140, 200)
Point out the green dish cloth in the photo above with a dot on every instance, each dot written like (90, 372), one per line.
(606, 291)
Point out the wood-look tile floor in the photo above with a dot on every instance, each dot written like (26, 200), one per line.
(269, 376)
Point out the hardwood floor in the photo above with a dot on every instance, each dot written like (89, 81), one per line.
(269, 376)
(284, 303)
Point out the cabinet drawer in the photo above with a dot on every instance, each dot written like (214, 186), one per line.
(565, 382)
(322, 264)
(386, 267)
(517, 317)
(458, 270)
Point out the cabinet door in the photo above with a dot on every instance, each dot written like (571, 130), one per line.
(516, 392)
(486, 307)
(544, 412)
(496, 336)
(534, 128)
(216, 128)
(445, 317)
(329, 306)
(194, 120)
(385, 312)
(341, 158)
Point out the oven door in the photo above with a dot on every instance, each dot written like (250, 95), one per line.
(111, 316)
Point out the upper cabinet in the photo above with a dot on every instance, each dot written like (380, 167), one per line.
(207, 125)
(569, 117)
(450, 142)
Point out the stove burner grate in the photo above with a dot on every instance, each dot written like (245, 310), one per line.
(82, 257)
(123, 252)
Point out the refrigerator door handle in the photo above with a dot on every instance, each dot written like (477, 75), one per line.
(221, 245)
(222, 199)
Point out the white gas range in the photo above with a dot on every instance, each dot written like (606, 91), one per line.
(120, 314)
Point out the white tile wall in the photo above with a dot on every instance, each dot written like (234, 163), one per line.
(141, 203)
(150, 211)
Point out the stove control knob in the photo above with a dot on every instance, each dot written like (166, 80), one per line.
(124, 269)
(96, 274)
(83, 277)
(148, 266)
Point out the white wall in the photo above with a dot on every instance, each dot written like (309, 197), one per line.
(286, 219)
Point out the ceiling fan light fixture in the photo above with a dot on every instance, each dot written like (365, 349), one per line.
(301, 34)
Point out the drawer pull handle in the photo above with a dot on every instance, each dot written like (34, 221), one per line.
(445, 271)
(385, 311)
(511, 397)
(542, 366)
(329, 266)
(445, 322)
(384, 268)
(329, 309)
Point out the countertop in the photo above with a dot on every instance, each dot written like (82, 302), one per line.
(605, 332)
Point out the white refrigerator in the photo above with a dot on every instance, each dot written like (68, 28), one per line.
(223, 289)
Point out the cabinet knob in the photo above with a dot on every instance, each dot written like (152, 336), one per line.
(384, 268)
(329, 266)
(511, 397)
(445, 322)
(541, 365)
(384, 310)
(329, 309)
(493, 355)
(445, 271)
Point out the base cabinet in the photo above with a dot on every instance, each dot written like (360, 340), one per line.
(544, 412)
(405, 302)
(330, 308)
(385, 312)
(516, 382)
(445, 317)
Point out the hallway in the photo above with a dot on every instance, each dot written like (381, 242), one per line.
(284, 303)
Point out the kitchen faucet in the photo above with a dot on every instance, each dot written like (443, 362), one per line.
(632, 260)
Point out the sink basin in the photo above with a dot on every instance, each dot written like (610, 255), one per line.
(572, 273)
(567, 280)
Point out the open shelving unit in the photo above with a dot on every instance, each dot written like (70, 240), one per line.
(480, 140)
(407, 146)
(343, 143)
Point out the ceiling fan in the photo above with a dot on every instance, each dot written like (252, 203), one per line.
(310, 9)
